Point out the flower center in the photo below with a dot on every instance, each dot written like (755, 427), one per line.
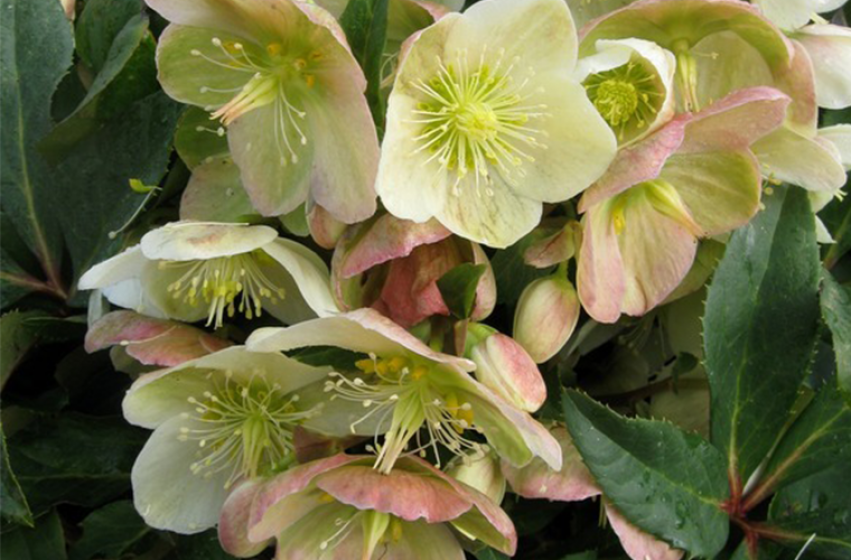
(399, 391)
(277, 77)
(217, 282)
(478, 118)
(625, 97)
(662, 196)
(378, 529)
(247, 428)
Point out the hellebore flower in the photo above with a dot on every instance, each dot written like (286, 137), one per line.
(631, 83)
(574, 482)
(482, 122)
(153, 342)
(195, 270)
(405, 388)
(547, 314)
(393, 266)
(483, 473)
(339, 509)
(829, 47)
(792, 14)
(693, 178)
(216, 420)
(280, 77)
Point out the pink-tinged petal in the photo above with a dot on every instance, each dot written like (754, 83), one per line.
(665, 22)
(546, 316)
(486, 289)
(186, 241)
(507, 369)
(639, 162)
(798, 82)
(572, 483)
(152, 341)
(720, 189)
(406, 495)
(736, 121)
(600, 272)
(215, 194)
(269, 514)
(487, 522)
(638, 544)
(829, 47)
(389, 238)
(657, 252)
(324, 228)
(804, 160)
(556, 248)
(363, 330)
(233, 521)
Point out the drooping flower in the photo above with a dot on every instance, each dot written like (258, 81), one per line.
(419, 399)
(574, 482)
(216, 420)
(153, 342)
(194, 270)
(393, 266)
(339, 508)
(280, 77)
(693, 178)
(482, 121)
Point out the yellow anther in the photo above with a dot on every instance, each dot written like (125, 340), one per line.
(395, 364)
(300, 64)
(366, 365)
(310, 80)
(274, 49)
(465, 414)
(419, 372)
(326, 498)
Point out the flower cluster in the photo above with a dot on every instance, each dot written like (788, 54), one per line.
(349, 400)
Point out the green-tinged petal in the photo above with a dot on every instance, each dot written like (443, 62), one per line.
(657, 251)
(304, 538)
(275, 164)
(187, 241)
(496, 220)
(158, 396)
(600, 273)
(193, 70)
(215, 193)
(123, 266)
(720, 189)
(309, 273)
(840, 136)
(584, 11)
(346, 157)
(809, 162)
(725, 63)
(165, 491)
(442, 544)
(829, 47)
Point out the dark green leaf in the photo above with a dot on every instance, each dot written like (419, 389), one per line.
(511, 272)
(836, 310)
(16, 339)
(337, 358)
(44, 542)
(75, 459)
(99, 25)
(766, 550)
(129, 74)
(837, 218)
(203, 546)
(365, 24)
(490, 554)
(36, 45)
(760, 329)
(12, 500)
(819, 439)
(458, 288)
(666, 482)
(109, 532)
(820, 504)
(95, 176)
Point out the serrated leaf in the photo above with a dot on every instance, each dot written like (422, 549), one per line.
(760, 329)
(12, 500)
(74, 458)
(109, 532)
(819, 505)
(818, 440)
(664, 481)
(836, 310)
(458, 288)
(36, 46)
(365, 25)
(128, 74)
(43, 542)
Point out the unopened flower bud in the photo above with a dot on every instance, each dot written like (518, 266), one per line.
(507, 369)
(546, 316)
(482, 473)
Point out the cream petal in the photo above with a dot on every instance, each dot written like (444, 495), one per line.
(187, 241)
(124, 266)
(829, 47)
(811, 163)
(309, 273)
(840, 136)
